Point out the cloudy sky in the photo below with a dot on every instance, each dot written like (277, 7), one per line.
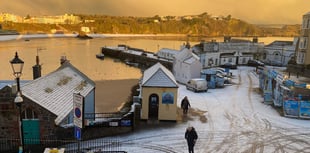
(252, 11)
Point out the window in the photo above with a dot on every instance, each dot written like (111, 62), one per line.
(303, 43)
(29, 114)
(243, 60)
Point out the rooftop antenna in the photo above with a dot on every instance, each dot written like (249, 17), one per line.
(37, 57)
(37, 68)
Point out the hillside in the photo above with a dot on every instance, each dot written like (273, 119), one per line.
(194, 25)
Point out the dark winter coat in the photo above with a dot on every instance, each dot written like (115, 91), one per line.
(191, 136)
(185, 103)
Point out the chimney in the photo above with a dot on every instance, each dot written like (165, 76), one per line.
(36, 69)
(255, 40)
(63, 59)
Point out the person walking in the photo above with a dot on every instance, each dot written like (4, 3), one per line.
(185, 104)
(191, 138)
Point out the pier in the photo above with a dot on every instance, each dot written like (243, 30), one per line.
(135, 56)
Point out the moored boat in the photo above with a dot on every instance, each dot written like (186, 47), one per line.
(100, 56)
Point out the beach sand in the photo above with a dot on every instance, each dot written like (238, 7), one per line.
(111, 94)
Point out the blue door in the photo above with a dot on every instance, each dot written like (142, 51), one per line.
(31, 130)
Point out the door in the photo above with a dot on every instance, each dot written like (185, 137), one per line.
(153, 106)
(31, 131)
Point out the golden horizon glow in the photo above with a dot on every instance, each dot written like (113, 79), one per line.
(252, 11)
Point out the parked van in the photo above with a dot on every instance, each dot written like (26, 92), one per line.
(197, 84)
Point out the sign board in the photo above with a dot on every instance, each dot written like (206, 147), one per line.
(290, 108)
(304, 111)
(77, 133)
(78, 105)
(113, 123)
(125, 122)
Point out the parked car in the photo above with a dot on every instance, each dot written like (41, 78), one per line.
(255, 63)
(229, 65)
(197, 85)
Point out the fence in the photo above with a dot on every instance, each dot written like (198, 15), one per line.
(70, 146)
(111, 124)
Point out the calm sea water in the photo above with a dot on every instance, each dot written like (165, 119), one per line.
(81, 54)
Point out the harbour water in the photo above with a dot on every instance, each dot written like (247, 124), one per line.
(82, 54)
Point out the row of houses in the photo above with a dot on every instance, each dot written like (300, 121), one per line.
(60, 19)
(213, 54)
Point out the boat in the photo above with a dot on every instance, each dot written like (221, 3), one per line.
(100, 56)
(132, 63)
(83, 36)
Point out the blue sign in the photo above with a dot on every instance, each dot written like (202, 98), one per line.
(290, 108)
(77, 133)
(77, 112)
(167, 98)
(304, 111)
(125, 122)
(289, 83)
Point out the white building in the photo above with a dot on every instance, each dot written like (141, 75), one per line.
(186, 66)
(167, 53)
(303, 52)
(279, 52)
(219, 53)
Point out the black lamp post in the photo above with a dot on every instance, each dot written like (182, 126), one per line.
(17, 66)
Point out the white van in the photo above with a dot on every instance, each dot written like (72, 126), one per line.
(197, 84)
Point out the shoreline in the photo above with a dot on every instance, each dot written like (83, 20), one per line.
(29, 36)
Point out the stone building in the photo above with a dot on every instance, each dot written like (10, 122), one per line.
(47, 104)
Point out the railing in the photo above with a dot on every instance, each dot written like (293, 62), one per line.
(70, 146)
(103, 115)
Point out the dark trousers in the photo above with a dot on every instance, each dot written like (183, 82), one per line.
(185, 110)
(190, 147)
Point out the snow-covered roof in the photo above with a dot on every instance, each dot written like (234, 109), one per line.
(168, 50)
(10, 83)
(190, 60)
(55, 91)
(280, 43)
(158, 76)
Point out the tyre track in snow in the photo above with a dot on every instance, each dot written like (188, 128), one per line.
(242, 125)
(259, 135)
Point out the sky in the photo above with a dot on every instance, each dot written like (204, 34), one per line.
(252, 11)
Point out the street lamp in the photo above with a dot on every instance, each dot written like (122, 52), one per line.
(17, 66)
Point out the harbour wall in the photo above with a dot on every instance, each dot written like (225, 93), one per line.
(141, 58)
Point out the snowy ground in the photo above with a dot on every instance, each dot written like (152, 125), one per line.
(231, 119)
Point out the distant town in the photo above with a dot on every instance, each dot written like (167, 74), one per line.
(193, 25)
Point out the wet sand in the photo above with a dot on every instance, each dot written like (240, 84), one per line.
(111, 94)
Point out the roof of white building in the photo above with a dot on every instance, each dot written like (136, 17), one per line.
(158, 76)
(190, 60)
(167, 50)
(55, 91)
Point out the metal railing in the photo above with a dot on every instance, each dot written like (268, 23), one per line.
(70, 146)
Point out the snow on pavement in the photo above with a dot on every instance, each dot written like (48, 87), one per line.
(229, 119)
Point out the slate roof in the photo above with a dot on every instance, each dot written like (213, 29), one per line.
(158, 76)
(55, 91)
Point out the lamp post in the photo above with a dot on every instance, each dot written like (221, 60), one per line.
(17, 66)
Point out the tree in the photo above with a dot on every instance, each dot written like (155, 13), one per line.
(28, 16)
